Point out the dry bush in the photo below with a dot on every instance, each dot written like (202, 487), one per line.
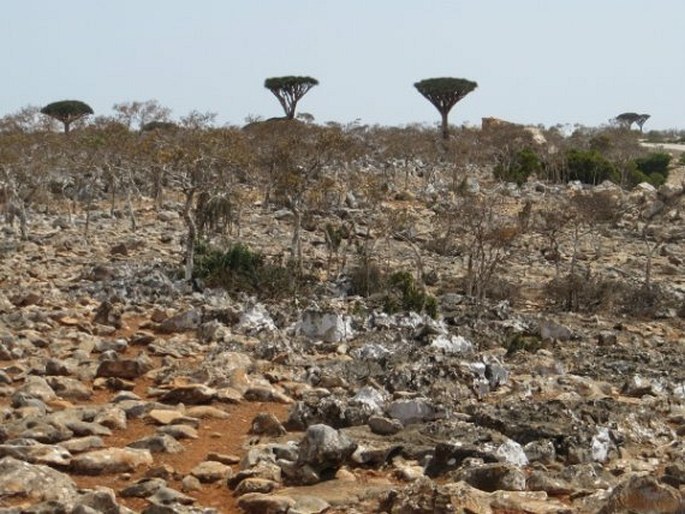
(579, 292)
(593, 293)
(642, 301)
(484, 237)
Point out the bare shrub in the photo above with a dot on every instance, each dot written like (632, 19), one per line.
(579, 292)
(486, 240)
(591, 294)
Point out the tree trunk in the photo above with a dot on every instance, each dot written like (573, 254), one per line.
(296, 243)
(67, 124)
(131, 210)
(89, 207)
(190, 238)
(113, 198)
(445, 125)
(23, 221)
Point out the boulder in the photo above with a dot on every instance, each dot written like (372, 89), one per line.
(643, 495)
(330, 327)
(260, 503)
(110, 460)
(324, 449)
(34, 482)
(193, 394)
(127, 369)
(267, 424)
(181, 322)
(159, 443)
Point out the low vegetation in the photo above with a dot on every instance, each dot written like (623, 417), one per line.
(238, 269)
(347, 192)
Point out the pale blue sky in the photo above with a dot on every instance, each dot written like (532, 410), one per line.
(536, 61)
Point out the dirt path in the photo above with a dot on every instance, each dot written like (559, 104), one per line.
(224, 436)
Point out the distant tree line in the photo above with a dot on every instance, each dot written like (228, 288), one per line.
(443, 93)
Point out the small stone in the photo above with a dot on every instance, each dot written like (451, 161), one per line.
(223, 458)
(164, 417)
(127, 369)
(190, 483)
(179, 431)
(193, 394)
(119, 249)
(265, 394)
(164, 471)
(259, 503)
(167, 496)
(550, 330)
(110, 460)
(493, 477)
(305, 504)
(207, 412)
(143, 488)
(160, 443)
(211, 471)
(182, 322)
(255, 485)
(384, 426)
(345, 475)
(83, 444)
(265, 423)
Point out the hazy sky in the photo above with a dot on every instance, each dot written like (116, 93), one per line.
(535, 61)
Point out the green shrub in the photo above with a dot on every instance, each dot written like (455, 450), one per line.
(652, 169)
(682, 159)
(523, 343)
(589, 167)
(525, 163)
(634, 176)
(396, 292)
(657, 179)
(159, 125)
(402, 294)
(241, 269)
(655, 162)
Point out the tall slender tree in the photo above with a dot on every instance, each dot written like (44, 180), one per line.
(289, 90)
(67, 112)
(444, 93)
(626, 119)
(641, 120)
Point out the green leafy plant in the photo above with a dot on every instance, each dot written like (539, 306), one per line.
(525, 163)
(397, 291)
(655, 162)
(158, 125)
(241, 269)
(523, 343)
(590, 167)
(403, 294)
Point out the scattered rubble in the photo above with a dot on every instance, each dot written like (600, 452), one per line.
(113, 369)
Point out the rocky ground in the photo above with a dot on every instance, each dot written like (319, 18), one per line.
(125, 389)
